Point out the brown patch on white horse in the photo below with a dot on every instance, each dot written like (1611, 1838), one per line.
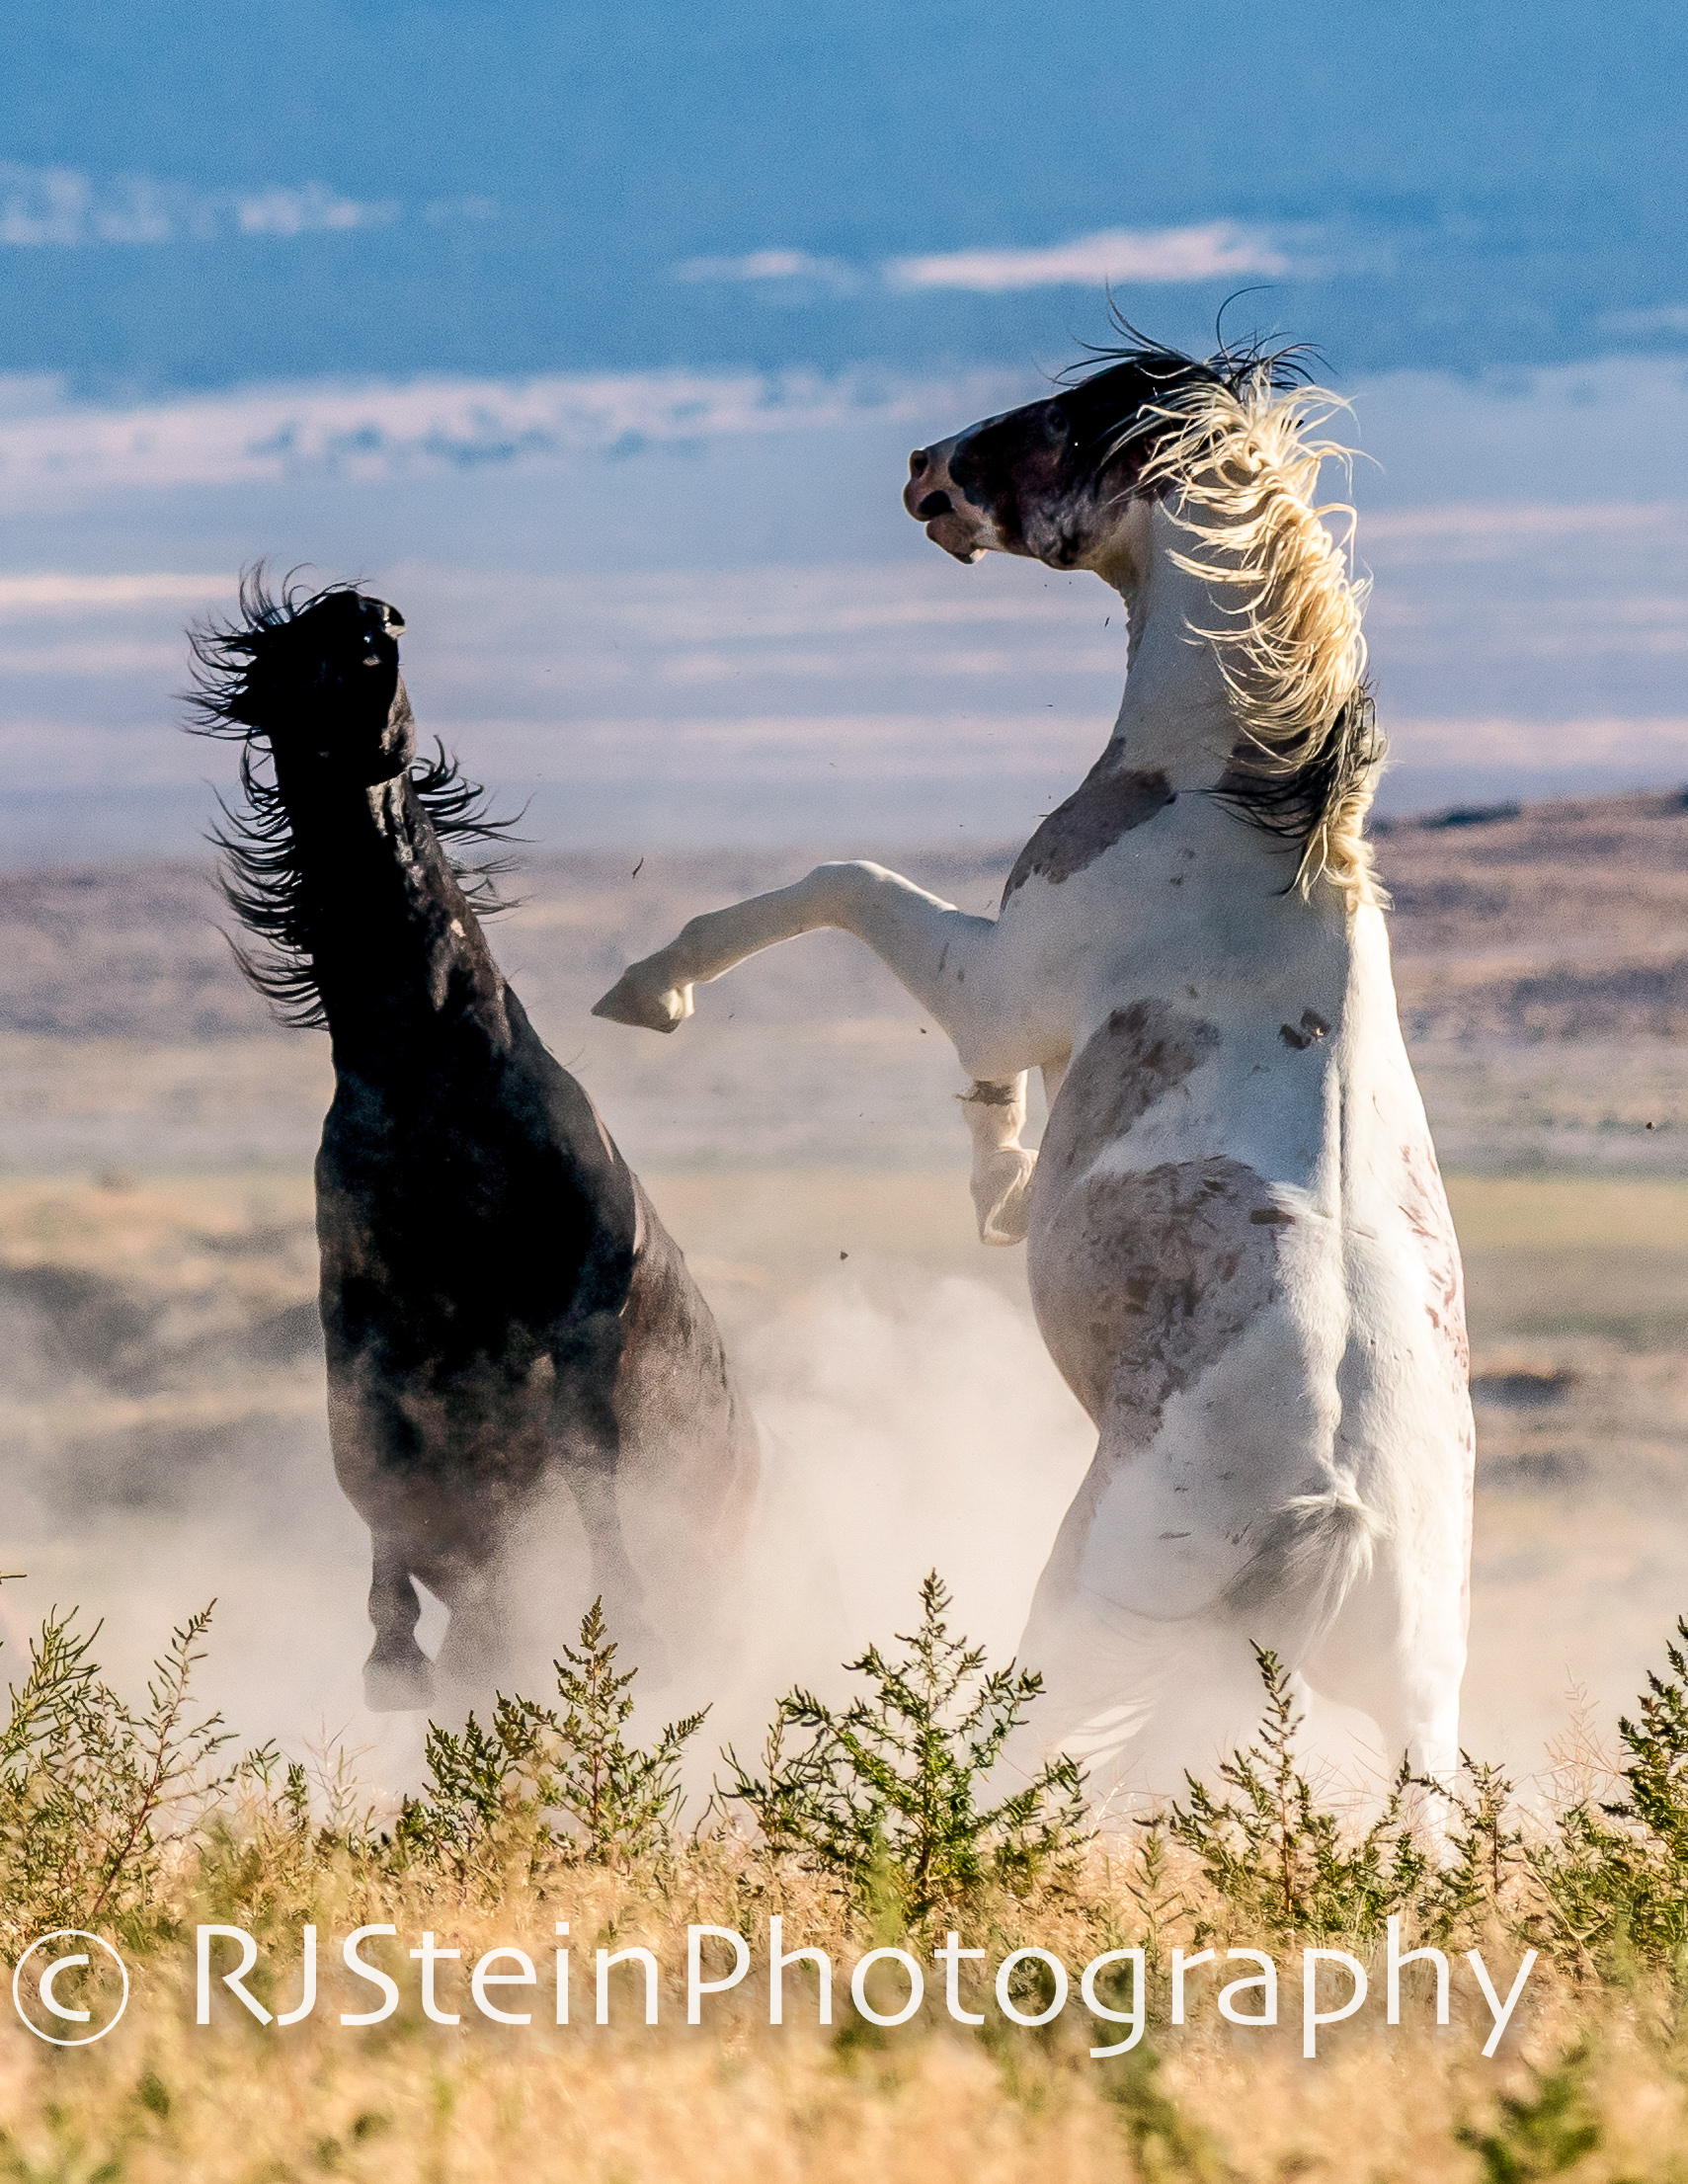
(1147, 1278)
(1091, 821)
(1425, 1205)
(1141, 1053)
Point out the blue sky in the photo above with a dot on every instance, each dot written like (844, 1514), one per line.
(493, 188)
(578, 320)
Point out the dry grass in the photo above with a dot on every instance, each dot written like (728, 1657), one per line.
(1591, 2076)
(164, 2098)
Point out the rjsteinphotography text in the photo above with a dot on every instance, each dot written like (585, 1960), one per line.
(887, 1986)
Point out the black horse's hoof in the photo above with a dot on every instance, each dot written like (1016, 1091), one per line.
(401, 1686)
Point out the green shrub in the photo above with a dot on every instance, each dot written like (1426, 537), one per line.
(1167, 2148)
(1281, 1863)
(550, 1783)
(891, 1796)
(1540, 2136)
(92, 1791)
(1484, 1853)
(1613, 1878)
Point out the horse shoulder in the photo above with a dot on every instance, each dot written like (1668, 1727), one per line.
(1108, 805)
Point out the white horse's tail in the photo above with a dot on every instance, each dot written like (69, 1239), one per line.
(1313, 1551)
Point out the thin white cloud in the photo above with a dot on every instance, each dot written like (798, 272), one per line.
(62, 593)
(1447, 522)
(46, 207)
(1499, 531)
(823, 748)
(1122, 253)
(1052, 658)
(266, 434)
(772, 266)
(88, 662)
(1659, 741)
(305, 212)
(1668, 318)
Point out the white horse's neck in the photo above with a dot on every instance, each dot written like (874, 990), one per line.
(1177, 715)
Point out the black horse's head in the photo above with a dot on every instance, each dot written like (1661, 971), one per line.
(309, 687)
(317, 678)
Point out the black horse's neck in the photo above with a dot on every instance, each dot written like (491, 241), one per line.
(398, 957)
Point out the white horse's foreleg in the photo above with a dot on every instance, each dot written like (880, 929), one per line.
(1002, 1166)
(928, 943)
(938, 952)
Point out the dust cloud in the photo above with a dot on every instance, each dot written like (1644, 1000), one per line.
(153, 1462)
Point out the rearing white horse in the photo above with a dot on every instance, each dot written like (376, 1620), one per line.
(1240, 1253)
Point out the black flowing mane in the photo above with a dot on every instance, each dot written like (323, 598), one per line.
(262, 877)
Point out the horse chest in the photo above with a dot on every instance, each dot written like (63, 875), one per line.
(1175, 907)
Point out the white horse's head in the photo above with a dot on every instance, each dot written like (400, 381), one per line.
(1226, 449)
(1052, 480)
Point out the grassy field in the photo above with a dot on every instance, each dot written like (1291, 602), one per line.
(163, 2099)
(1571, 2060)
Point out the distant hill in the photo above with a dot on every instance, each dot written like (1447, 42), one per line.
(1540, 922)
(1561, 921)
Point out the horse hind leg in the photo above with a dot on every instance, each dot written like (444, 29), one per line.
(398, 1676)
(474, 1654)
(1406, 1674)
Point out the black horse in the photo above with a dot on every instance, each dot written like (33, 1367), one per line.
(501, 1307)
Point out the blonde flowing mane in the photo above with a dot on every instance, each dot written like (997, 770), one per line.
(1240, 458)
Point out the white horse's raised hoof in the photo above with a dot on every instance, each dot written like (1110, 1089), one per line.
(646, 999)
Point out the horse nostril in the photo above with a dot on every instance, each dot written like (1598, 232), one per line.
(917, 463)
(934, 504)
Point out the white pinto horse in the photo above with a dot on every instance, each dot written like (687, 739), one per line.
(1240, 1252)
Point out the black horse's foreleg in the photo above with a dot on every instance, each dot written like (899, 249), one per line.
(614, 1577)
(474, 1654)
(398, 1676)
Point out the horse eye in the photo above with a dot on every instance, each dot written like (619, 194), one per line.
(1055, 424)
